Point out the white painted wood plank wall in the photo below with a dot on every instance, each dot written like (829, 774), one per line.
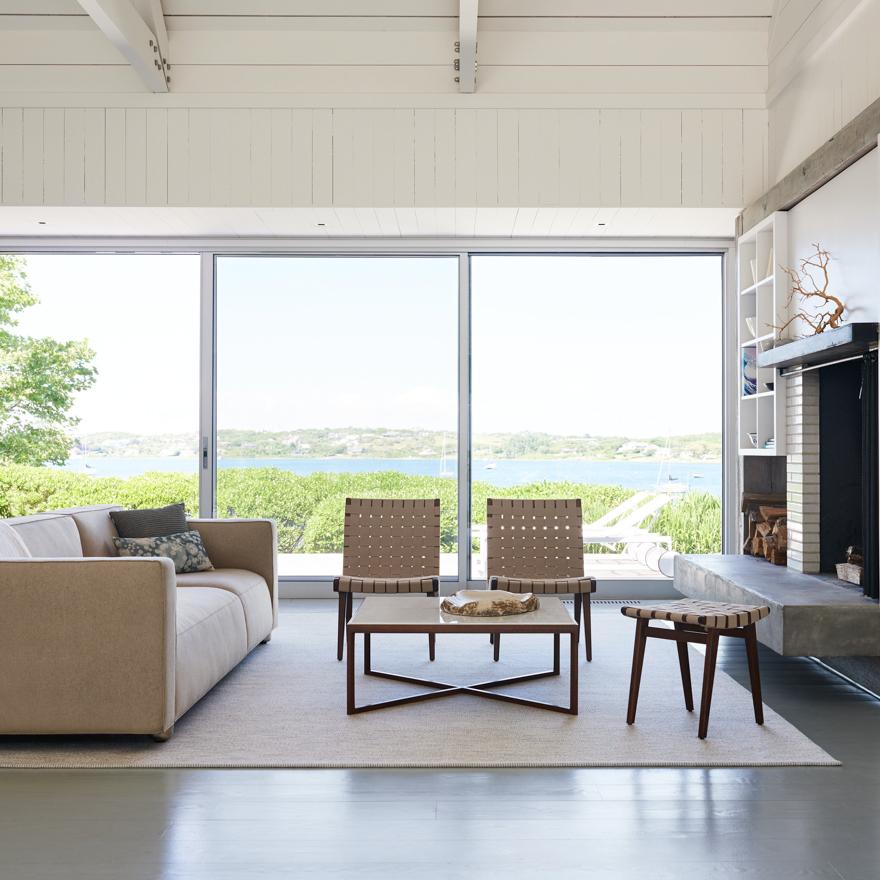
(394, 157)
(824, 70)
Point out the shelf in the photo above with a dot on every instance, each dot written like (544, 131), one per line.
(849, 340)
(765, 338)
(762, 248)
(753, 287)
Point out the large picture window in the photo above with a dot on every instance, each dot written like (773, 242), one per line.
(99, 381)
(599, 377)
(336, 376)
(318, 377)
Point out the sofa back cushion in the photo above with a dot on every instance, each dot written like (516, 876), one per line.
(96, 529)
(48, 535)
(11, 546)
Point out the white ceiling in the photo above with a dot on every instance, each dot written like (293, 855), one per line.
(355, 222)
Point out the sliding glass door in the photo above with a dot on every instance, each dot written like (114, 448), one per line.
(599, 377)
(336, 376)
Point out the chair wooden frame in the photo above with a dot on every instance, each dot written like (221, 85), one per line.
(389, 546)
(536, 545)
(684, 634)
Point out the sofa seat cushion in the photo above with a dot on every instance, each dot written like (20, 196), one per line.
(211, 640)
(251, 590)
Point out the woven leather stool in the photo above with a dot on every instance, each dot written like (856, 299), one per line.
(700, 623)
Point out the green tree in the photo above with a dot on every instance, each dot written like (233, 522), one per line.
(39, 379)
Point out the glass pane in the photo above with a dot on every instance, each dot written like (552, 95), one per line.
(105, 407)
(337, 376)
(599, 377)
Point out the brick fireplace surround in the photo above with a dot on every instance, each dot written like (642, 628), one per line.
(802, 485)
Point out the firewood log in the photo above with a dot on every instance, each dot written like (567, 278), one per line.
(764, 528)
(780, 532)
(771, 513)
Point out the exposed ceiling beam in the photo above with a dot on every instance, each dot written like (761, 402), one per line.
(121, 23)
(157, 20)
(467, 45)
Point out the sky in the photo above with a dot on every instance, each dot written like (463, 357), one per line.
(625, 345)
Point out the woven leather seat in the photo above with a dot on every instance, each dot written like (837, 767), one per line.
(715, 615)
(545, 586)
(346, 584)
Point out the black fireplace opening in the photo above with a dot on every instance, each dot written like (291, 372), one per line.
(848, 477)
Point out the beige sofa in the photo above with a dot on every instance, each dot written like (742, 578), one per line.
(94, 643)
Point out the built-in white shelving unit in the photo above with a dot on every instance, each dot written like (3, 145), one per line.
(762, 289)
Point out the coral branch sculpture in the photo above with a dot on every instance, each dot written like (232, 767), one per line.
(805, 285)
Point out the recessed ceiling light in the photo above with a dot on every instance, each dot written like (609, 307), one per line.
(41, 222)
(321, 224)
(600, 224)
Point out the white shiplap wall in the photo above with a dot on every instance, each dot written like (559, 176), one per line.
(440, 157)
(824, 70)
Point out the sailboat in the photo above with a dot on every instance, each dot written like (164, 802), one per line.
(445, 470)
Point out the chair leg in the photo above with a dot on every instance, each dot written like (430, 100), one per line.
(754, 672)
(685, 667)
(340, 626)
(588, 628)
(432, 640)
(708, 681)
(636, 676)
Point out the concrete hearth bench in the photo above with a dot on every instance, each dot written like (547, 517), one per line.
(810, 615)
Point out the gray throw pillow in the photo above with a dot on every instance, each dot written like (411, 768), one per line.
(185, 549)
(150, 523)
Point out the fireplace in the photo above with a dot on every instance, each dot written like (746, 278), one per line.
(832, 445)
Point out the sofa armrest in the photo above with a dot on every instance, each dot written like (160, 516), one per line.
(87, 645)
(251, 544)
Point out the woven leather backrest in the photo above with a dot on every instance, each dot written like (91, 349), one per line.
(535, 539)
(391, 538)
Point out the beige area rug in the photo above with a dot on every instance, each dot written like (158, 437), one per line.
(285, 707)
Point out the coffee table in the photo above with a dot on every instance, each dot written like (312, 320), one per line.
(422, 614)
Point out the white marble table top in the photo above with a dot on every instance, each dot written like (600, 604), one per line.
(411, 612)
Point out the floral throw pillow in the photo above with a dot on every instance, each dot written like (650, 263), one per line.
(185, 549)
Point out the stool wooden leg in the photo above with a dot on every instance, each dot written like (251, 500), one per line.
(636, 676)
(708, 681)
(497, 647)
(588, 628)
(368, 663)
(340, 624)
(754, 672)
(556, 640)
(685, 667)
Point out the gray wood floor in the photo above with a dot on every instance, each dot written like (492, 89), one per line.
(775, 823)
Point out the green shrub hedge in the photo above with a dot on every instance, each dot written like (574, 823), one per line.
(308, 509)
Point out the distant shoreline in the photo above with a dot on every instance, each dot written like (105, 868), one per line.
(194, 457)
